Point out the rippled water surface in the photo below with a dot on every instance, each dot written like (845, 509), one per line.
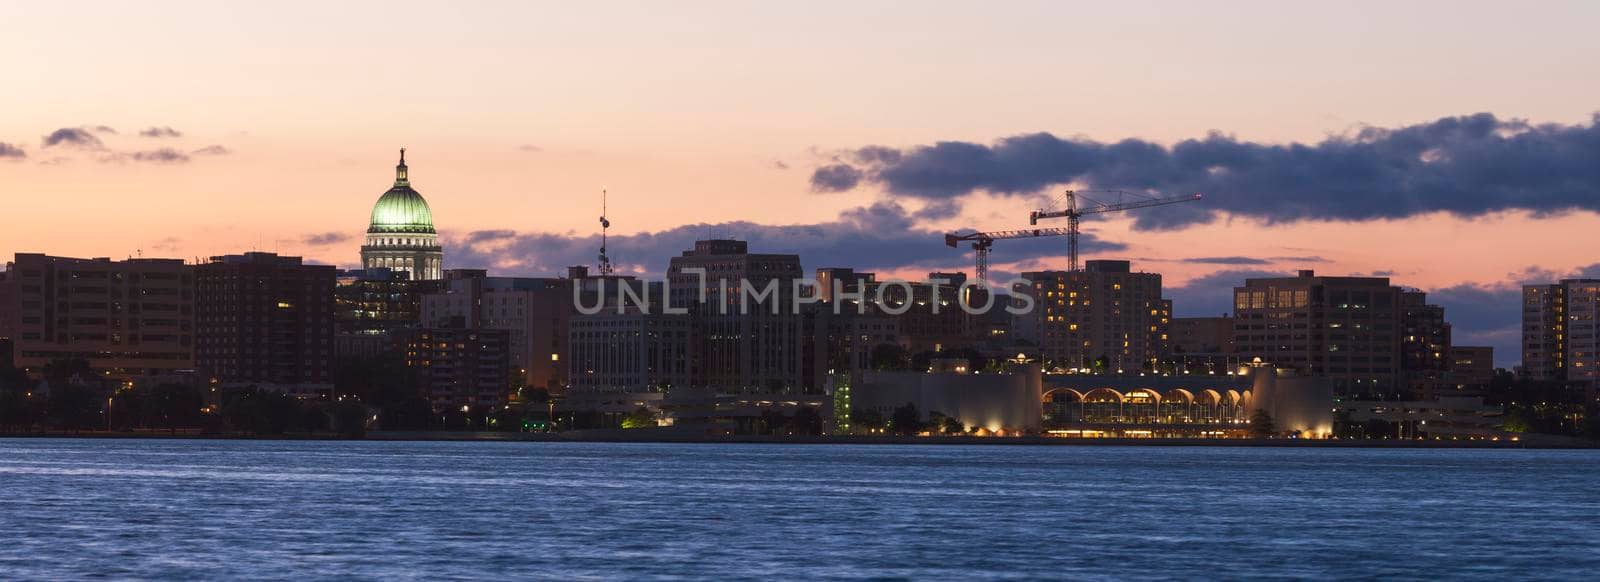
(298, 510)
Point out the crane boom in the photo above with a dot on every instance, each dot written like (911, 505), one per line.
(982, 241)
(1074, 214)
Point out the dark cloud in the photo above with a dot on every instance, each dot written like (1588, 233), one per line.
(212, 150)
(882, 236)
(11, 151)
(1211, 295)
(779, 165)
(835, 178)
(102, 129)
(156, 156)
(1484, 315)
(1467, 166)
(1227, 261)
(325, 238)
(73, 137)
(160, 132)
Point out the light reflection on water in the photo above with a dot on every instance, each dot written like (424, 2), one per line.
(303, 509)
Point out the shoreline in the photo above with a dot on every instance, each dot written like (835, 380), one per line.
(1551, 442)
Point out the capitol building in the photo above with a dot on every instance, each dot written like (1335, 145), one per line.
(401, 237)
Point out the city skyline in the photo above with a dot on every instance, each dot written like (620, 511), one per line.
(295, 139)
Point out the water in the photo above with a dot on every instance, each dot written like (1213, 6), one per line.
(319, 510)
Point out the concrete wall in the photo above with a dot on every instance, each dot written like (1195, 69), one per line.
(1004, 401)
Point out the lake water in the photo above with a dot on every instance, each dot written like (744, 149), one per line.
(317, 510)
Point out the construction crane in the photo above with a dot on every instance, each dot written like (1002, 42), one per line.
(1073, 211)
(982, 241)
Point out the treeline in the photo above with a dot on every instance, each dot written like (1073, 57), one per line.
(372, 393)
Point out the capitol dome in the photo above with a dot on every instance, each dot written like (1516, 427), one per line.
(400, 237)
(401, 209)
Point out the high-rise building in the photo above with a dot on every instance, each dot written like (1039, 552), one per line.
(535, 311)
(740, 346)
(459, 369)
(1424, 347)
(1343, 328)
(125, 318)
(1559, 340)
(1105, 316)
(401, 237)
(266, 320)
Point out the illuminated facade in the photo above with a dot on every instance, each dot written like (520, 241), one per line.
(1344, 328)
(1104, 317)
(401, 236)
(1558, 331)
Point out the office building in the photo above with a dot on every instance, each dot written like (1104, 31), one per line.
(266, 320)
(1200, 335)
(1343, 328)
(740, 345)
(534, 311)
(1471, 369)
(127, 318)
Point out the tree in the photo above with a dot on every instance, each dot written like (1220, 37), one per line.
(641, 417)
(74, 406)
(1261, 425)
(806, 421)
(172, 406)
(953, 425)
(773, 421)
(867, 418)
(349, 417)
(906, 420)
(313, 417)
(888, 356)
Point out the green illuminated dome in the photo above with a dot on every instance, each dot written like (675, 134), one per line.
(401, 209)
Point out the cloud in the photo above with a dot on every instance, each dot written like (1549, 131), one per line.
(884, 236)
(530, 148)
(325, 238)
(1467, 166)
(212, 150)
(11, 151)
(73, 137)
(1227, 261)
(835, 178)
(156, 156)
(1211, 295)
(102, 129)
(160, 132)
(779, 165)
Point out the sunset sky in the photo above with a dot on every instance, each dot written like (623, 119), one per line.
(1451, 145)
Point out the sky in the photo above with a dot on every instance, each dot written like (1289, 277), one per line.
(1452, 146)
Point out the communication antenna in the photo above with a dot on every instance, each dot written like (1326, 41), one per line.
(605, 261)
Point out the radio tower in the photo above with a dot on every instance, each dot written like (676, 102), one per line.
(605, 261)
